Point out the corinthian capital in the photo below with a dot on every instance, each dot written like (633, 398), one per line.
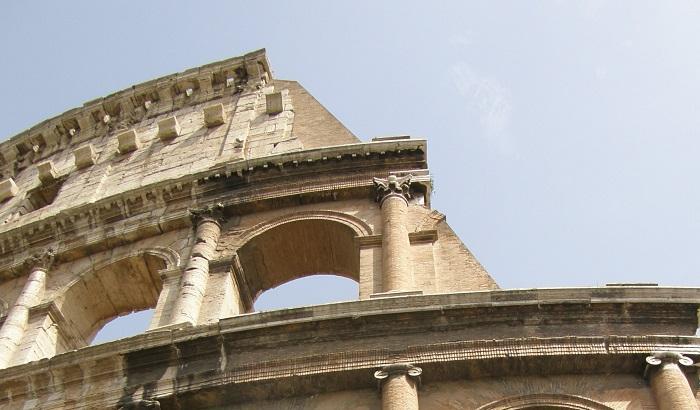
(214, 212)
(41, 260)
(392, 186)
(397, 369)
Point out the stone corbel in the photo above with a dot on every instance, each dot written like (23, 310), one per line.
(47, 172)
(8, 189)
(85, 156)
(128, 141)
(214, 115)
(168, 128)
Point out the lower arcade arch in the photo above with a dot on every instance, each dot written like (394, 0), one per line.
(545, 402)
(128, 285)
(308, 291)
(297, 249)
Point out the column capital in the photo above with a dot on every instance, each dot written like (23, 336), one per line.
(658, 358)
(392, 186)
(41, 260)
(397, 370)
(214, 213)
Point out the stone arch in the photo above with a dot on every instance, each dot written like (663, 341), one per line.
(360, 227)
(545, 401)
(170, 257)
(125, 283)
(298, 245)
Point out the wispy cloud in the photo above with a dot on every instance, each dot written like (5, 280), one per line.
(462, 40)
(590, 9)
(488, 97)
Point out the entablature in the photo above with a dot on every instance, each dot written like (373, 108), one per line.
(321, 174)
(344, 343)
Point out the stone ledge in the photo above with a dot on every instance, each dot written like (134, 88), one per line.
(312, 374)
(383, 307)
(396, 294)
(206, 359)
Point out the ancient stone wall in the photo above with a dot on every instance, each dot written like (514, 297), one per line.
(194, 193)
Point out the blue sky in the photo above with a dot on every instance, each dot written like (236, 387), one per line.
(563, 135)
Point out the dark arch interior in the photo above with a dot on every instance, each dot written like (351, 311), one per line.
(297, 249)
(128, 285)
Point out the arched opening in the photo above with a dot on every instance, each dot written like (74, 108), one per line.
(308, 291)
(297, 249)
(544, 401)
(129, 285)
(124, 326)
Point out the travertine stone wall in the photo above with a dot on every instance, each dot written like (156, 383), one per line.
(191, 195)
(619, 392)
(313, 354)
(364, 218)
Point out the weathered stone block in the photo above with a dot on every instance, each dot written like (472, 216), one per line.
(168, 128)
(9, 153)
(85, 156)
(273, 103)
(47, 172)
(8, 189)
(214, 115)
(128, 141)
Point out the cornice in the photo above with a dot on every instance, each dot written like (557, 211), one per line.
(446, 357)
(388, 308)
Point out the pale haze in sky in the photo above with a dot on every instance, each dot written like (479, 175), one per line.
(564, 136)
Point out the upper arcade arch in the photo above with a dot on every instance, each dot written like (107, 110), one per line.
(360, 227)
(297, 246)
